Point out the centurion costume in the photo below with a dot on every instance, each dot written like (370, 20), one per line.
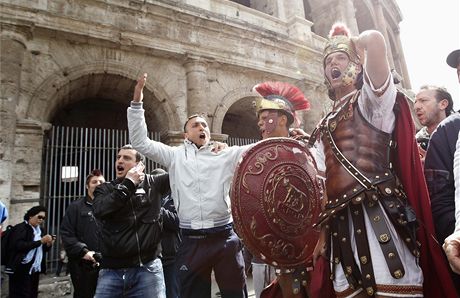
(275, 191)
(374, 206)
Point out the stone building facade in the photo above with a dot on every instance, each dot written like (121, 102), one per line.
(74, 63)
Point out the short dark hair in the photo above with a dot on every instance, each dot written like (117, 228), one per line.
(440, 94)
(191, 117)
(94, 173)
(157, 171)
(34, 211)
(139, 157)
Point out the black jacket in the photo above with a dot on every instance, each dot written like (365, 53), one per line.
(439, 175)
(171, 237)
(131, 221)
(20, 243)
(80, 229)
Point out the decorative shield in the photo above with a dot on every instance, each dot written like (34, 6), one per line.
(276, 200)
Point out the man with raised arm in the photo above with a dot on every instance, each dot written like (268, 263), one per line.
(375, 189)
(200, 181)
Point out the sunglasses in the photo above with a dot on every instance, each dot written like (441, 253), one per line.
(41, 217)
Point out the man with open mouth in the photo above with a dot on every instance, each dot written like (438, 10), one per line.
(432, 105)
(128, 209)
(200, 183)
(374, 181)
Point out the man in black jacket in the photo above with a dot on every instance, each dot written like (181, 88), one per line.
(129, 210)
(80, 234)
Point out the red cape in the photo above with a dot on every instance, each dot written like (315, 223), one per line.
(437, 280)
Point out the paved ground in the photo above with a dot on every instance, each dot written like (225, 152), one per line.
(51, 286)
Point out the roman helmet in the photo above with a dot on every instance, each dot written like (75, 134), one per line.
(339, 41)
(280, 97)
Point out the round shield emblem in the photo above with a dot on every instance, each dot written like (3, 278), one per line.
(276, 200)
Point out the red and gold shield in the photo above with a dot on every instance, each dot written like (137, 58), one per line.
(276, 200)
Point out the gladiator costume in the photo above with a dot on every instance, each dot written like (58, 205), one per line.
(372, 228)
(275, 191)
(366, 205)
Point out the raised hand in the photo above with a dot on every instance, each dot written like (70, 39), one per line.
(138, 90)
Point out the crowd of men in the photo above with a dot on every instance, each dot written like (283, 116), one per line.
(386, 197)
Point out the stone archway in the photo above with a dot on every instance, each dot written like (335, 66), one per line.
(240, 121)
(236, 108)
(108, 81)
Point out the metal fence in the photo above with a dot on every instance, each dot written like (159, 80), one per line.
(70, 154)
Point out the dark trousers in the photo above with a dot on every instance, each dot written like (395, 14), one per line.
(170, 274)
(198, 255)
(59, 268)
(84, 279)
(23, 285)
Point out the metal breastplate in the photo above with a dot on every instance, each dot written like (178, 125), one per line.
(366, 148)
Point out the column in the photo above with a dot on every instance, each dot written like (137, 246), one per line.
(351, 17)
(12, 49)
(298, 26)
(197, 81)
(402, 60)
(381, 26)
(294, 8)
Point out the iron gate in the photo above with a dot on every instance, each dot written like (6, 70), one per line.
(70, 153)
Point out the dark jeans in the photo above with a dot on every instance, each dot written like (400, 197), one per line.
(137, 282)
(23, 285)
(84, 279)
(199, 254)
(172, 287)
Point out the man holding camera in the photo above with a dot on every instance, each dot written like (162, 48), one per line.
(129, 210)
(79, 233)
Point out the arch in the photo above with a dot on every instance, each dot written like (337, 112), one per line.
(225, 104)
(14, 35)
(56, 91)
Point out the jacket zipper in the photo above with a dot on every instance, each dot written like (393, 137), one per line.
(137, 235)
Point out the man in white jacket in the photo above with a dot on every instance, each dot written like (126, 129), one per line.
(200, 181)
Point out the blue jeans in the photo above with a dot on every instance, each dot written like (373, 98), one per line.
(138, 282)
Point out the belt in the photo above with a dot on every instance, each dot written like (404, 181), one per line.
(200, 234)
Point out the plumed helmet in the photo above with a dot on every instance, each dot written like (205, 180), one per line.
(280, 96)
(339, 41)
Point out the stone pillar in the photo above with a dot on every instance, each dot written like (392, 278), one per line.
(172, 138)
(346, 14)
(298, 26)
(326, 13)
(270, 7)
(294, 8)
(402, 60)
(220, 137)
(197, 82)
(12, 49)
(27, 160)
(382, 27)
